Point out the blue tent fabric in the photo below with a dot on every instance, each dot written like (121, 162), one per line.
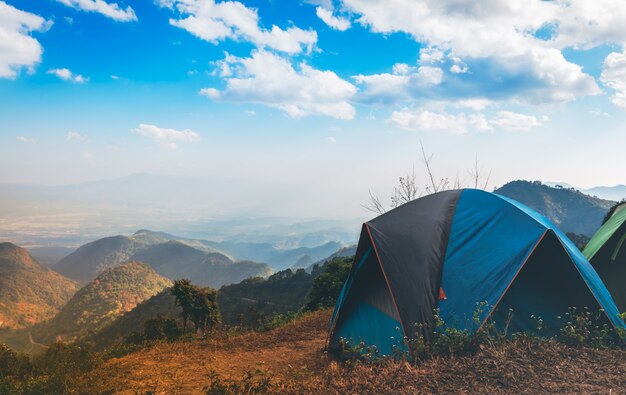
(384, 334)
(474, 245)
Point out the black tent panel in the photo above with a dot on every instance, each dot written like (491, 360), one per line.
(410, 242)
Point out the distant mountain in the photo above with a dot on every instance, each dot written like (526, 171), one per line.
(29, 291)
(571, 210)
(276, 258)
(175, 260)
(162, 304)
(169, 255)
(111, 294)
(342, 252)
(616, 193)
(50, 255)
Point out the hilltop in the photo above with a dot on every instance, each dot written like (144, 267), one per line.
(112, 293)
(29, 292)
(293, 359)
(571, 210)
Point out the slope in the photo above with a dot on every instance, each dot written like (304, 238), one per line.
(162, 304)
(29, 292)
(113, 293)
(571, 210)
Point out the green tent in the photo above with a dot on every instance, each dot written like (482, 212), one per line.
(607, 253)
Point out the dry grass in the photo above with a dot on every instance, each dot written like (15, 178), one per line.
(293, 356)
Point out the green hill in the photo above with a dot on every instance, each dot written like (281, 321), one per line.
(29, 292)
(571, 210)
(255, 298)
(162, 304)
(111, 294)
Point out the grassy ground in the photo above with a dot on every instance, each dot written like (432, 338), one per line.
(293, 358)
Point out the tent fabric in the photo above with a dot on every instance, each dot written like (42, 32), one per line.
(607, 253)
(472, 246)
(603, 235)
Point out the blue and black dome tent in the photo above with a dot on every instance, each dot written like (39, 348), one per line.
(455, 249)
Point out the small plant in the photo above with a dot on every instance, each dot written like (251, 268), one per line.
(351, 352)
(585, 329)
(251, 383)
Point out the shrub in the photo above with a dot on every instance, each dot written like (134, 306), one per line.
(327, 285)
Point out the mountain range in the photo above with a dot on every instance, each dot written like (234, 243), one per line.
(169, 255)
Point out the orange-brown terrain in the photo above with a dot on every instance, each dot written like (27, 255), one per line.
(293, 358)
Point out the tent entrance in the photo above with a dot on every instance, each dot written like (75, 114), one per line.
(368, 313)
(546, 287)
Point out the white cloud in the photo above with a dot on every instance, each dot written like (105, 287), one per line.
(514, 121)
(17, 48)
(165, 3)
(341, 24)
(498, 41)
(425, 120)
(403, 84)
(269, 79)
(461, 123)
(111, 10)
(76, 136)
(166, 137)
(250, 113)
(68, 75)
(599, 113)
(430, 75)
(614, 76)
(215, 21)
(459, 67)
(27, 140)
(330, 139)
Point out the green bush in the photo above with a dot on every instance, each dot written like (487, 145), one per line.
(327, 285)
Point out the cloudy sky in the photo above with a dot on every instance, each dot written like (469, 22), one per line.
(327, 97)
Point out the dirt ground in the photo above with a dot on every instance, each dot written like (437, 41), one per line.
(291, 352)
(293, 357)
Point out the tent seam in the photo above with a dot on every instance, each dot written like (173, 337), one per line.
(386, 279)
(495, 306)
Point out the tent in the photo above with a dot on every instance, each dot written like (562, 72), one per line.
(607, 253)
(455, 249)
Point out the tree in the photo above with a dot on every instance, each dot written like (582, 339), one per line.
(183, 292)
(327, 285)
(198, 304)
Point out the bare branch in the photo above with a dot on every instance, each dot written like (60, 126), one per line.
(405, 191)
(487, 181)
(374, 204)
(426, 161)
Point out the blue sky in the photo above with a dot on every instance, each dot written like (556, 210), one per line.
(328, 97)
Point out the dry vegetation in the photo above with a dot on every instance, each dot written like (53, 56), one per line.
(293, 359)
